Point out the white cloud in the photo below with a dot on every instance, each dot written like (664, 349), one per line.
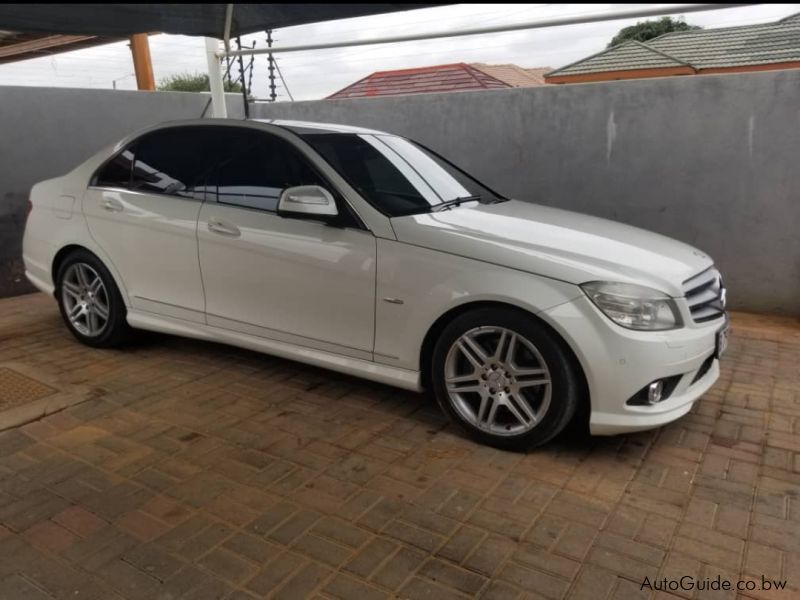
(315, 74)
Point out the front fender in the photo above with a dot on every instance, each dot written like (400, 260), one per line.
(416, 286)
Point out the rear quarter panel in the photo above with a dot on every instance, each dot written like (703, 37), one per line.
(56, 221)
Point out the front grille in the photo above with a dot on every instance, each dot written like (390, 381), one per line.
(705, 295)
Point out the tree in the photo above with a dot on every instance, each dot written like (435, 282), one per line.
(197, 82)
(647, 30)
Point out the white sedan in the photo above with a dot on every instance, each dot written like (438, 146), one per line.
(367, 253)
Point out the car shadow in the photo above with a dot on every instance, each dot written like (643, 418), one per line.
(421, 409)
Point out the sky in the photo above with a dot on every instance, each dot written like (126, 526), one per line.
(317, 73)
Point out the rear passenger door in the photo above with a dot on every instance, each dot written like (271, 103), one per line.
(142, 209)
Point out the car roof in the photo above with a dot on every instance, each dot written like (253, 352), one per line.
(299, 127)
(313, 127)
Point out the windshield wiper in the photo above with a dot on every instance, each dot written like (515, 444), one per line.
(454, 202)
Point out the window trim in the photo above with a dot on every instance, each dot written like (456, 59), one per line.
(116, 188)
(341, 200)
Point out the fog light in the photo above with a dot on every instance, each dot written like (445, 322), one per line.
(654, 391)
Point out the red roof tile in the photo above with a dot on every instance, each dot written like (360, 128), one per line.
(457, 77)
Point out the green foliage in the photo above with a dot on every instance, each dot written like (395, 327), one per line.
(197, 82)
(647, 30)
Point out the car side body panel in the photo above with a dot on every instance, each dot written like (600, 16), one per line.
(49, 229)
(163, 275)
(295, 280)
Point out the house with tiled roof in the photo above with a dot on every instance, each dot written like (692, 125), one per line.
(456, 77)
(514, 75)
(764, 47)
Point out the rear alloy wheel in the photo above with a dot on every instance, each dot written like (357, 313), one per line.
(85, 299)
(505, 378)
(90, 302)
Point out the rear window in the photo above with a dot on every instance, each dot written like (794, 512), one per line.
(116, 172)
(174, 161)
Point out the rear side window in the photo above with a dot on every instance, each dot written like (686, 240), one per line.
(173, 161)
(256, 172)
(116, 172)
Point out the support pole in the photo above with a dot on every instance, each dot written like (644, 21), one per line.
(142, 65)
(226, 36)
(218, 109)
(242, 79)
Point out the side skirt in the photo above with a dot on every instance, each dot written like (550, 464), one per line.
(402, 378)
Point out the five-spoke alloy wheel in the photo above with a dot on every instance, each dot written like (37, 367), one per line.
(498, 380)
(505, 377)
(85, 299)
(90, 302)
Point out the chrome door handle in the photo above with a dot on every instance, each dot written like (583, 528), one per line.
(112, 205)
(223, 228)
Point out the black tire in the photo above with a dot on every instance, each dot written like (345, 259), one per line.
(116, 330)
(566, 380)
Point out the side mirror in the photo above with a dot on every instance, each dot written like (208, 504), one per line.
(307, 201)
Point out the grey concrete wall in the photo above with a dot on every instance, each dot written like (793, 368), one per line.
(45, 132)
(710, 160)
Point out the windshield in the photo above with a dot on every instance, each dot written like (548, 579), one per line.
(396, 176)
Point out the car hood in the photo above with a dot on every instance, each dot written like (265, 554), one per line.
(555, 243)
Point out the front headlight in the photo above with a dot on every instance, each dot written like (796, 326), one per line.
(634, 306)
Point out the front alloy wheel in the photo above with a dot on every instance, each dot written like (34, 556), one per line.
(498, 381)
(505, 377)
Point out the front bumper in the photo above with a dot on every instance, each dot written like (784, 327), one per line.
(619, 362)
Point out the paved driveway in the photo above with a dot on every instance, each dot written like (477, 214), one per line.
(201, 471)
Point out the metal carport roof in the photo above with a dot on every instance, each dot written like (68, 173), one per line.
(187, 19)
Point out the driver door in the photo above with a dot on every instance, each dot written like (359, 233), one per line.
(297, 280)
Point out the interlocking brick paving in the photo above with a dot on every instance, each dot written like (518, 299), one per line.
(203, 471)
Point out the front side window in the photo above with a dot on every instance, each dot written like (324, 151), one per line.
(258, 169)
(397, 176)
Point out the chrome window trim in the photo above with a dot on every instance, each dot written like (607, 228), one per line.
(140, 193)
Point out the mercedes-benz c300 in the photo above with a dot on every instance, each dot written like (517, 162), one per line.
(367, 253)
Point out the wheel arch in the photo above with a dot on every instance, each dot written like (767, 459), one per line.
(435, 330)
